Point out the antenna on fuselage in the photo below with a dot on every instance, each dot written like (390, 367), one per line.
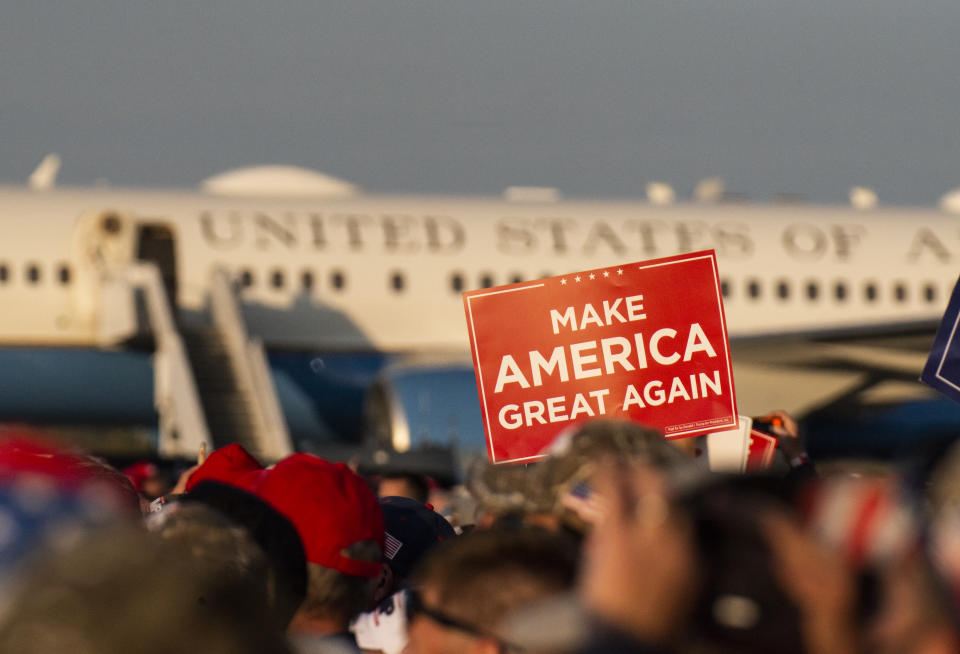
(950, 202)
(44, 176)
(863, 198)
(660, 194)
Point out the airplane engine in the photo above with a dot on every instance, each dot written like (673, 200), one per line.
(423, 409)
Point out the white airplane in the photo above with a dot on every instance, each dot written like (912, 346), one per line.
(332, 273)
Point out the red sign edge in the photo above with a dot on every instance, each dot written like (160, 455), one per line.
(467, 296)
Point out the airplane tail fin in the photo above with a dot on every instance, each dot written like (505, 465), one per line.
(44, 175)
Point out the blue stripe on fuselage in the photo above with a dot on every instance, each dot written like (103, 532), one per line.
(321, 394)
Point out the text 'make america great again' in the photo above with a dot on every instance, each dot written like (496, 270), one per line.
(643, 341)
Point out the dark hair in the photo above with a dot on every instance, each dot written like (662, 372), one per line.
(486, 574)
(275, 535)
(218, 545)
(336, 596)
(125, 591)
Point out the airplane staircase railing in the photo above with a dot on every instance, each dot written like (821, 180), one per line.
(252, 406)
(182, 427)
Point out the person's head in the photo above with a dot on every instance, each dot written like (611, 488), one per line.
(337, 518)
(222, 548)
(125, 591)
(49, 495)
(33, 463)
(555, 491)
(573, 457)
(148, 479)
(409, 485)
(506, 493)
(335, 598)
(466, 588)
(273, 533)
(412, 529)
(340, 525)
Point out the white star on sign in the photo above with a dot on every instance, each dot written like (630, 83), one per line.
(577, 278)
(563, 281)
(619, 271)
(592, 276)
(606, 273)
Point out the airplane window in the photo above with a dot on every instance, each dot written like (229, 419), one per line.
(396, 281)
(930, 293)
(900, 291)
(456, 282)
(306, 280)
(870, 291)
(4, 274)
(783, 290)
(545, 275)
(516, 278)
(276, 279)
(486, 280)
(64, 274)
(725, 287)
(753, 289)
(813, 290)
(246, 279)
(840, 291)
(33, 273)
(337, 280)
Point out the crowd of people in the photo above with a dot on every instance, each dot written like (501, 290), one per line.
(616, 541)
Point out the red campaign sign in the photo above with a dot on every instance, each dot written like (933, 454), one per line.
(760, 450)
(645, 341)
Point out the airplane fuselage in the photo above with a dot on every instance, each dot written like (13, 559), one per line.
(385, 273)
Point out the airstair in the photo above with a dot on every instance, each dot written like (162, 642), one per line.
(212, 382)
(227, 409)
(233, 378)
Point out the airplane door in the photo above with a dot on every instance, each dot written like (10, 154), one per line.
(156, 243)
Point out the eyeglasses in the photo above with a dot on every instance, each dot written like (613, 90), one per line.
(415, 606)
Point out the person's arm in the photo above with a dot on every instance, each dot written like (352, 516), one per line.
(818, 582)
(639, 577)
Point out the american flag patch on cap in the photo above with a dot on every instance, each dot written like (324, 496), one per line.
(391, 546)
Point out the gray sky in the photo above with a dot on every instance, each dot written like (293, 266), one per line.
(596, 98)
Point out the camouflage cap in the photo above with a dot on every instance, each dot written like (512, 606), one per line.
(545, 486)
(574, 455)
(503, 489)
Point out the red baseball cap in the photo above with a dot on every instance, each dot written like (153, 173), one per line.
(22, 459)
(140, 472)
(331, 507)
(230, 464)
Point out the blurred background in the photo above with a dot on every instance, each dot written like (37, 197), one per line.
(470, 97)
(782, 100)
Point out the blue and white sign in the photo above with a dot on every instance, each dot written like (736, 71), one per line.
(942, 371)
